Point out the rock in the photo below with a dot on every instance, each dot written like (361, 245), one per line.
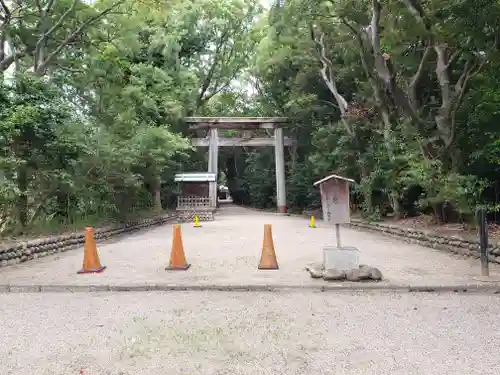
(376, 274)
(316, 265)
(365, 273)
(316, 273)
(333, 274)
(353, 275)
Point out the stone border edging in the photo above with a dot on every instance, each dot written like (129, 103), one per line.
(378, 287)
(454, 244)
(23, 251)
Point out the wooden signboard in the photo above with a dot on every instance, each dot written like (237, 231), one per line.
(335, 199)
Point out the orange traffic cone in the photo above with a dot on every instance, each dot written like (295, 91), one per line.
(268, 258)
(91, 262)
(177, 257)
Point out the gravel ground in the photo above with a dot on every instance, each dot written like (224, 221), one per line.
(227, 251)
(249, 333)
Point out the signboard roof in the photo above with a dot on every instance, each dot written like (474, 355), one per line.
(333, 176)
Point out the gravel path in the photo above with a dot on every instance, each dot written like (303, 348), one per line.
(227, 251)
(248, 333)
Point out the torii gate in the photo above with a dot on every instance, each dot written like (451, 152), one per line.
(208, 128)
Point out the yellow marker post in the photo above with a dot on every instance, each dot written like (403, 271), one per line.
(312, 223)
(197, 222)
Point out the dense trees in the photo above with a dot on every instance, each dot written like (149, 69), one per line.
(388, 92)
(93, 97)
(400, 95)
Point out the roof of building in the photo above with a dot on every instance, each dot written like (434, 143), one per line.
(195, 177)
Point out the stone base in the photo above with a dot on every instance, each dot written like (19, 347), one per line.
(363, 273)
(203, 215)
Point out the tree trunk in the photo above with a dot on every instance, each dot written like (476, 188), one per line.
(62, 205)
(455, 158)
(157, 207)
(437, 213)
(395, 204)
(22, 184)
(367, 193)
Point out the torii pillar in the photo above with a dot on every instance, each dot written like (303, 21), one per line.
(279, 156)
(213, 164)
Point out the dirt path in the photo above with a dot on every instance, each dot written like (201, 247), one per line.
(226, 252)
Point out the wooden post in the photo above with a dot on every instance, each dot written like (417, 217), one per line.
(483, 241)
(213, 155)
(280, 170)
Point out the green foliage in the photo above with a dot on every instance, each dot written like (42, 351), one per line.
(95, 132)
(301, 193)
(260, 179)
(400, 162)
(439, 187)
(93, 98)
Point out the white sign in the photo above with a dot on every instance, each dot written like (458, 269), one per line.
(335, 201)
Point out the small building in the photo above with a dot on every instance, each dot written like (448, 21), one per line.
(194, 199)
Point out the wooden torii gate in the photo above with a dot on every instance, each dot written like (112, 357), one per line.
(253, 132)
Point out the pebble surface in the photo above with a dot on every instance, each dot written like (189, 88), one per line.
(226, 251)
(292, 333)
(247, 333)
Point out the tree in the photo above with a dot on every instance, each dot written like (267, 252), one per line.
(36, 32)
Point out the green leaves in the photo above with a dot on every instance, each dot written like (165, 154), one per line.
(101, 133)
(384, 149)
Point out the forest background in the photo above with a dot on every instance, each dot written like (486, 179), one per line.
(400, 95)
